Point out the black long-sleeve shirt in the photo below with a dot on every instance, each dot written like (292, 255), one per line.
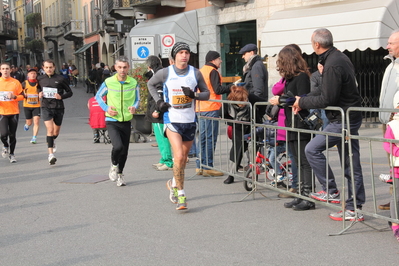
(63, 89)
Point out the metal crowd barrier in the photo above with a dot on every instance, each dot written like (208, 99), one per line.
(372, 145)
(221, 160)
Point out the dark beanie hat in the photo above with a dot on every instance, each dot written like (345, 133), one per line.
(211, 55)
(178, 47)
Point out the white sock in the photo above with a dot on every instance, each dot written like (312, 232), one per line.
(181, 192)
(173, 182)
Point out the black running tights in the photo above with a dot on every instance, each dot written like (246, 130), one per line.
(119, 133)
(8, 129)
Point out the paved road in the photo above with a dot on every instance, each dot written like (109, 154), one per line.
(45, 221)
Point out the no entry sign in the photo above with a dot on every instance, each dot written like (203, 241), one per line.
(167, 42)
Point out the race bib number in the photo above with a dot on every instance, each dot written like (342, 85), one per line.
(4, 96)
(181, 101)
(49, 92)
(32, 99)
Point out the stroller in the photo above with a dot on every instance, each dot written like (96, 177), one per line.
(97, 122)
(266, 148)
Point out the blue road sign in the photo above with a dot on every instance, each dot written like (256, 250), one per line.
(143, 52)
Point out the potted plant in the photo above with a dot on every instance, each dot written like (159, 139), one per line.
(139, 122)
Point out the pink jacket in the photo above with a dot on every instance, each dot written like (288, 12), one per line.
(395, 149)
(278, 89)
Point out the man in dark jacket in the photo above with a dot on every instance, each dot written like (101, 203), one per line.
(255, 75)
(338, 88)
(17, 74)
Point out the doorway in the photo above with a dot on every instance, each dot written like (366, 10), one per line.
(233, 37)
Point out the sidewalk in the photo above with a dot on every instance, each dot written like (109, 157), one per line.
(45, 221)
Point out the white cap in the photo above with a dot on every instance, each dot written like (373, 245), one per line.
(396, 100)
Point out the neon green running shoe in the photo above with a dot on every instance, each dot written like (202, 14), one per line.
(181, 203)
(172, 191)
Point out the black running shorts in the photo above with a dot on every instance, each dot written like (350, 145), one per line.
(31, 112)
(55, 114)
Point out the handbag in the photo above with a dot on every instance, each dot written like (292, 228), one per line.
(313, 120)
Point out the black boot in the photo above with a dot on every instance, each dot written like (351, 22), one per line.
(293, 203)
(229, 180)
(304, 206)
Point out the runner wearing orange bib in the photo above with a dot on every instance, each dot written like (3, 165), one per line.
(31, 103)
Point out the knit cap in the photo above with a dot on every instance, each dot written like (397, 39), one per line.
(211, 55)
(178, 47)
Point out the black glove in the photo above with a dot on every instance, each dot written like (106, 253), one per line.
(286, 100)
(162, 106)
(188, 92)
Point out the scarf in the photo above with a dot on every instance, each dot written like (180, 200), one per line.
(249, 64)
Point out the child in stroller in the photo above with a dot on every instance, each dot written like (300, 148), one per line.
(97, 122)
(271, 157)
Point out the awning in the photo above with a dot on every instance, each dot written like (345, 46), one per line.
(183, 25)
(354, 24)
(84, 48)
(117, 50)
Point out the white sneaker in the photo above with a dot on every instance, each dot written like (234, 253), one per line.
(385, 178)
(52, 159)
(113, 173)
(163, 168)
(120, 182)
(4, 152)
(156, 165)
(12, 158)
(280, 178)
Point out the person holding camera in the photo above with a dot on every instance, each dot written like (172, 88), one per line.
(339, 88)
(294, 69)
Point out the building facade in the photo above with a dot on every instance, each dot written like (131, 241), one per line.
(360, 29)
(92, 31)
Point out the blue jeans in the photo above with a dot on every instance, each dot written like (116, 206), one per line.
(273, 153)
(317, 160)
(208, 135)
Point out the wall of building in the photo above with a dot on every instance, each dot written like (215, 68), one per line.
(211, 17)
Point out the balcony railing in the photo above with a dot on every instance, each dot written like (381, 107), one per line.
(53, 32)
(112, 4)
(118, 8)
(74, 30)
(9, 28)
(145, 2)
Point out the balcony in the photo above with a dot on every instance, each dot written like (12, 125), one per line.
(171, 3)
(73, 30)
(8, 29)
(52, 33)
(221, 3)
(119, 9)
